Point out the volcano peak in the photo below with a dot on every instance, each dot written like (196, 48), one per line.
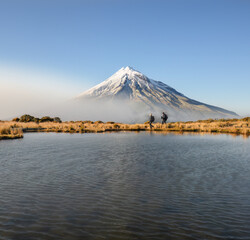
(130, 85)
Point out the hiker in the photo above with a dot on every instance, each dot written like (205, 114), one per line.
(151, 120)
(164, 117)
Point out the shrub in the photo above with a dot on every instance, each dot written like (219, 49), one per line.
(26, 118)
(36, 120)
(110, 122)
(16, 119)
(57, 120)
(46, 119)
(246, 119)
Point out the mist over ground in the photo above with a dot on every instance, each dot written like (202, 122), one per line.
(21, 92)
(100, 110)
(17, 100)
(72, 110)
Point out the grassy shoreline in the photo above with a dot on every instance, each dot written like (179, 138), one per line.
(13, 130)
(9, 132)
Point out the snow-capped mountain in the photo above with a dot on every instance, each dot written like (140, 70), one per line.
(144, 95)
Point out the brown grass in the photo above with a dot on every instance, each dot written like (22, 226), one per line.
(10, 132)
(234, 126)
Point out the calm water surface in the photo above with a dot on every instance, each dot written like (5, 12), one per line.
(125, 186)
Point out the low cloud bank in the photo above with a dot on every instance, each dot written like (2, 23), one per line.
(25, 92)
(71, 110)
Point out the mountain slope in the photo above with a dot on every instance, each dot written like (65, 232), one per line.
(130, 87)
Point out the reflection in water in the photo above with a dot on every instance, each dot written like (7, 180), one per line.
(235, 135)
(125, 186)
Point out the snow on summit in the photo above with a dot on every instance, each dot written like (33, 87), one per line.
(112, 85)
(125, 78)
(133, 88)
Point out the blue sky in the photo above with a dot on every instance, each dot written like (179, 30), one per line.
(199, 47)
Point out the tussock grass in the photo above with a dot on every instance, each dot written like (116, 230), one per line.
(233, 126)
(10, 131)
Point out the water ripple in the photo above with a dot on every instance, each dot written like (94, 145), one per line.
(124, 186)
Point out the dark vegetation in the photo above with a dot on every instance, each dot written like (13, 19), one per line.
(28, 118)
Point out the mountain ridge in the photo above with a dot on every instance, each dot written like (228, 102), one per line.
(130, 86)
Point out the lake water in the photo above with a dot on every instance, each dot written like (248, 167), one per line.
(125, 186)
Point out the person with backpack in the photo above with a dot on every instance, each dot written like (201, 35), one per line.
(151, 120)
(164, 118)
